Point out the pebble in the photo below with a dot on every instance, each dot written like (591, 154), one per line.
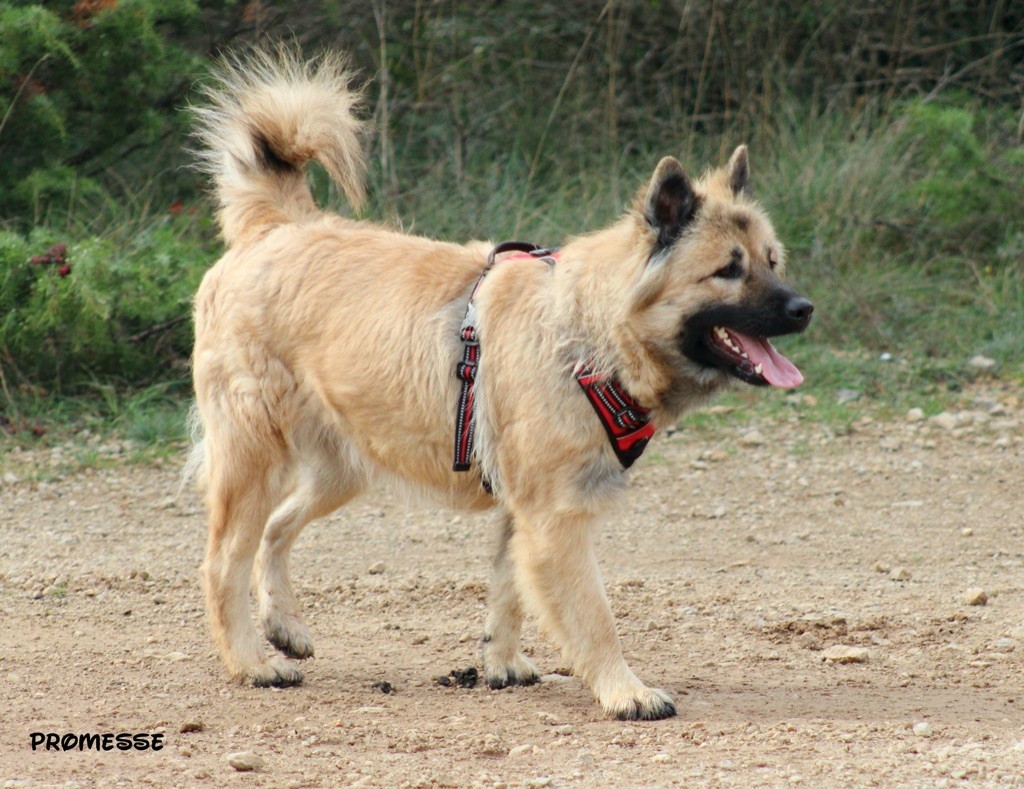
(982, 362)
(975, 596)
(844, 396)
(493, 746)
(923, 729)
(899, 574)
(245, 761)
(376, 568)
(1004, 645)
(661, 758)
(967, 531)
(520, 749)
(536, 783)
(915, 415)
(752, 439)
(844, 654)
(945, 420)
(190, 726)
(563, 731)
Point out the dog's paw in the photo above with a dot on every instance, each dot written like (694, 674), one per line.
(645, 704)
(290, 636)
(518, 671)
(274, 673)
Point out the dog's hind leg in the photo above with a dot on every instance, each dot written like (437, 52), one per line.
(240, 500)
(557, 571)
(504, 663)
(316, 494)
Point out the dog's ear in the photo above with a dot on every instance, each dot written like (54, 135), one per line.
(670, 203)
(739, 171)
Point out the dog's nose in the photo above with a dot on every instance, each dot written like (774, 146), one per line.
(799, 309)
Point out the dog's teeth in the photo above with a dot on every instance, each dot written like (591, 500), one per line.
(758, 368)
(744, 355)
(721, 332)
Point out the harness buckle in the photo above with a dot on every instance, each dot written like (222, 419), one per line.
(466, 371)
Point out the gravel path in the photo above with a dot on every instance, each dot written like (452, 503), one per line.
(749, 554)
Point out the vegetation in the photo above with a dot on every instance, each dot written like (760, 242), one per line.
(886, 143)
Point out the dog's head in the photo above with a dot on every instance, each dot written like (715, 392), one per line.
(711, 292)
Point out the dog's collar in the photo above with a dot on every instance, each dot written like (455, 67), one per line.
(625, 421)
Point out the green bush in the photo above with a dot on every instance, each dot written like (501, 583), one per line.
(82, 85)
(112, 309)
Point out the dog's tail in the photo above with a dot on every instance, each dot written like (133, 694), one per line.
(266, 114)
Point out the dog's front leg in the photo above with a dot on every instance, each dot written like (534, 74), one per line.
(558, 574)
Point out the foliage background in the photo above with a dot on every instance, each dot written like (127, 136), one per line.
(886, 143)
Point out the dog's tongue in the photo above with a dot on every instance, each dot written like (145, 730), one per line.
(775, 368)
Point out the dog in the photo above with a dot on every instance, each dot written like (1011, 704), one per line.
(326, 352)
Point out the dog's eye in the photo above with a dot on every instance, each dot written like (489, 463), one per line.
(735, 268)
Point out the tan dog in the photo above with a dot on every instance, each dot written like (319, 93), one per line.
(325, 355)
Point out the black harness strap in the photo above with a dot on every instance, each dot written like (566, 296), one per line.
(465, 371)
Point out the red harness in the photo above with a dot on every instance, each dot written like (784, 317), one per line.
(625, 421)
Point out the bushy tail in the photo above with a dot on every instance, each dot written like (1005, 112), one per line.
(266, 114)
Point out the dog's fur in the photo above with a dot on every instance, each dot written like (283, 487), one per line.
(325, 353)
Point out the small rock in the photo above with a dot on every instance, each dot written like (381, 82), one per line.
(11, 479)
(981, 362)
(915, 415)
(376, 568)
(923, 729)
(493, 746)
(752, 439)
(443, 681)
(975, 596)
(1004, 645)
(519, 749)
(967, 531)
(190, 726)
(844, 654)
(899, 574)
(537, 783)
(176, 657)
(417, 640)
(245, 761)
(564, 730)
(465, 678)
(384, 687)
(661, 758)
(882, 567)
(945, 420)
(844, 396)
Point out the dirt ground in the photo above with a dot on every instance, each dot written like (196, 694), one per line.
(746, 553)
